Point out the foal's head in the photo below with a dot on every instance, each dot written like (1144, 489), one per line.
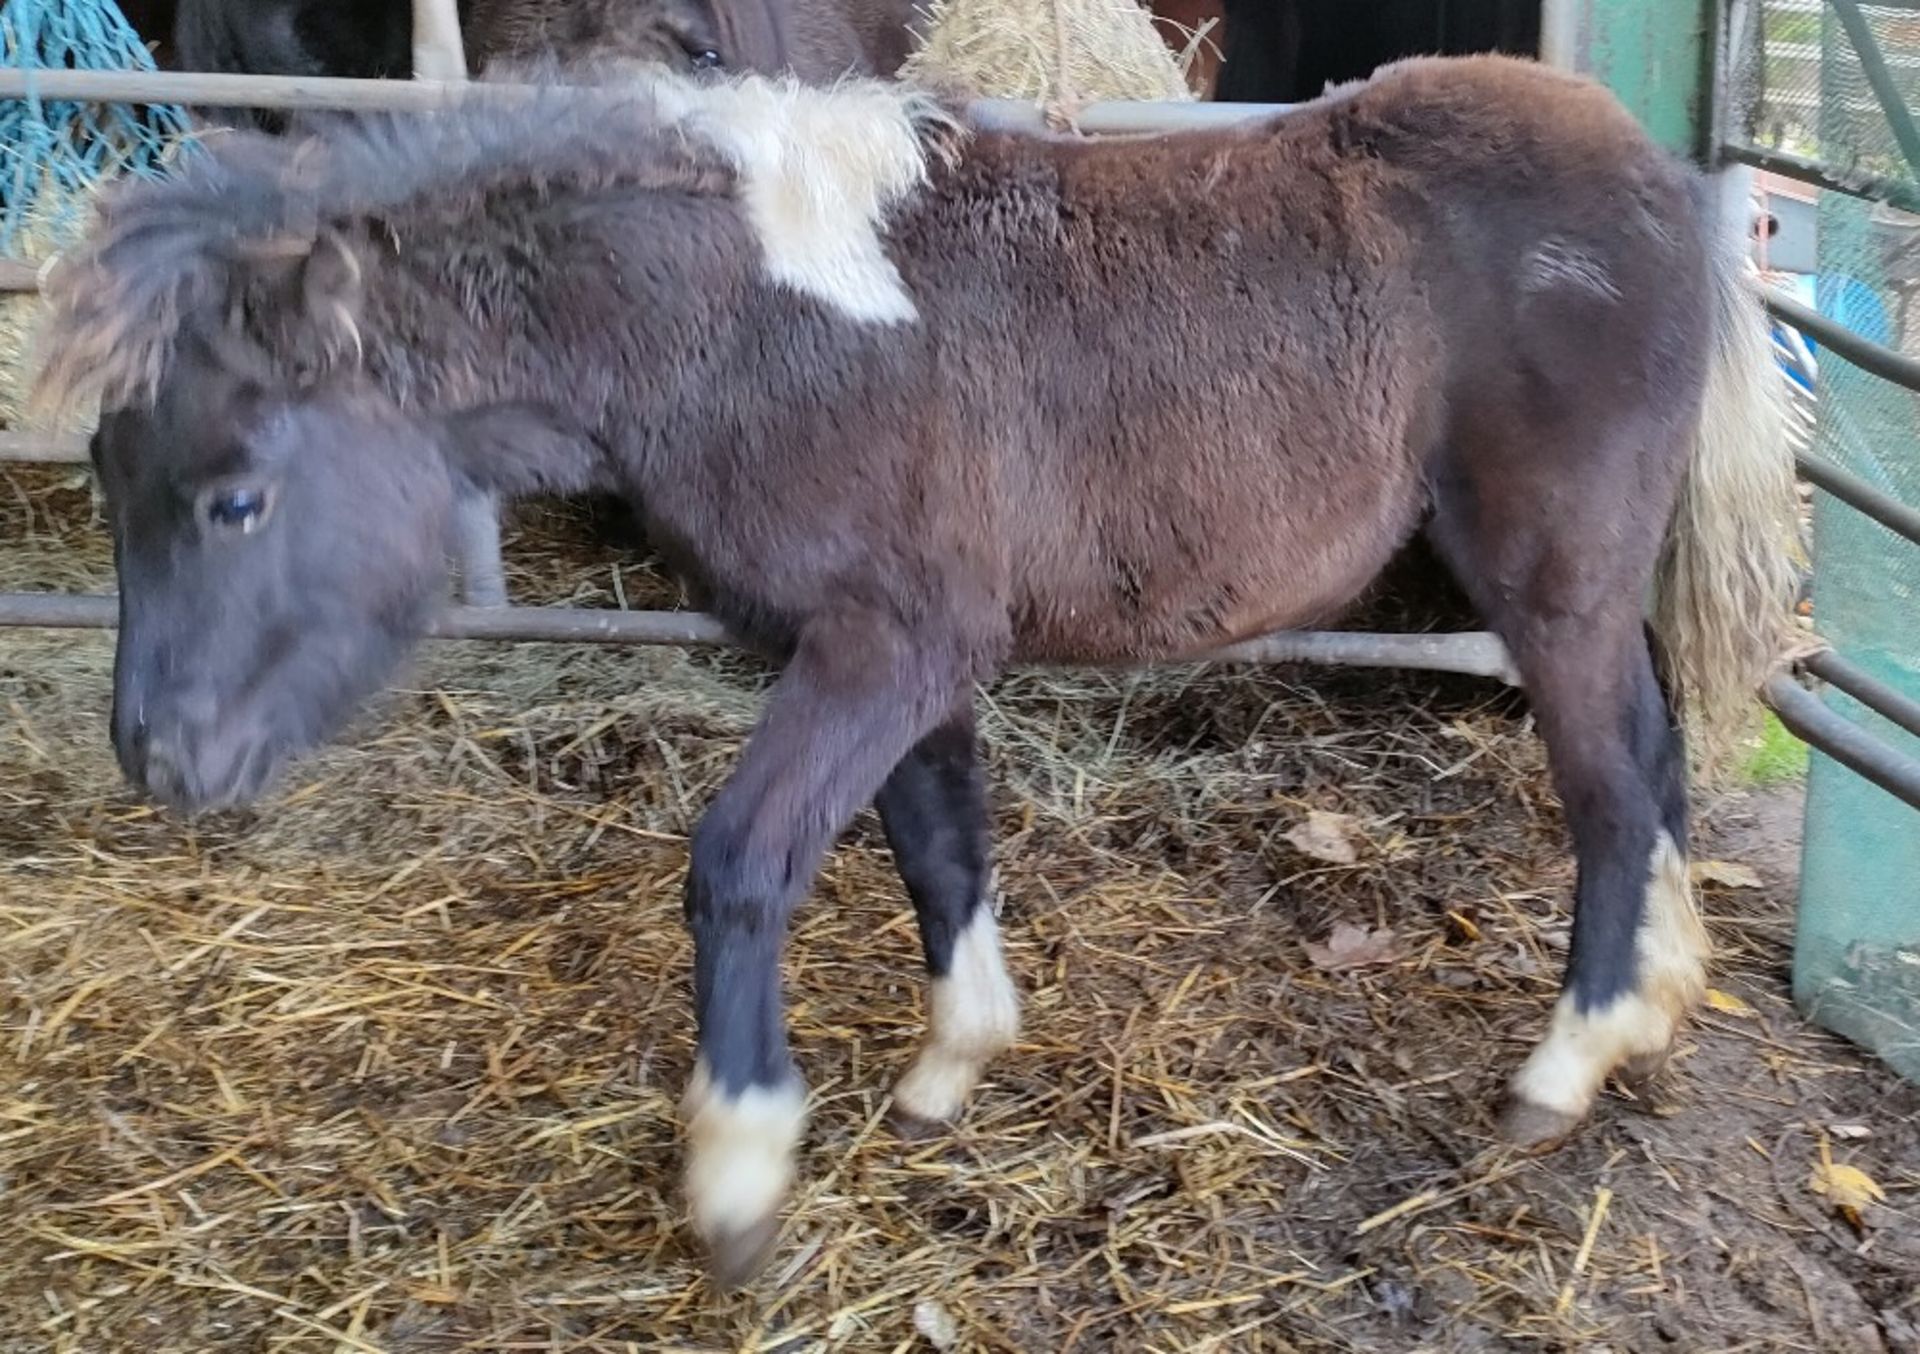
(277, 552)
(280, 526)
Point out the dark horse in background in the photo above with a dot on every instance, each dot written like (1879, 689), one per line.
(906, 402)
(818, 40)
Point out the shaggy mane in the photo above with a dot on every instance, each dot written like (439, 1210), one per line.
(164, 253)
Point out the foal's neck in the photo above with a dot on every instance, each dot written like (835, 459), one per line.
(607, 311)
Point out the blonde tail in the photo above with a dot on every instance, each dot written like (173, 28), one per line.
(1724, 591)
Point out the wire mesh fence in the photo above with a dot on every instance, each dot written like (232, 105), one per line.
(1831, 83)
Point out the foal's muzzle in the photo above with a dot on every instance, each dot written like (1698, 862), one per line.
(194, 768)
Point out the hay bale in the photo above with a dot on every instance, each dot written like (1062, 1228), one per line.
(1048, 49)
(39, 237)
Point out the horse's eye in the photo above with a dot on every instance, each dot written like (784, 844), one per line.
(705, 59)
(243, 509)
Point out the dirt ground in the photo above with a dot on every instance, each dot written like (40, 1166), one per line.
(390, 1062)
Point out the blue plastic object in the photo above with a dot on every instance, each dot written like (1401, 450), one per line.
(52, 154)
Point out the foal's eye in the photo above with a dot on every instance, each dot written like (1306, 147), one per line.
(239, 509)
(705, 59)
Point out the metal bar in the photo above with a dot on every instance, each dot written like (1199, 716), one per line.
(1873, 64)
(314, 94)
(1872, 187)
(1475, 653)
(1850, 489)
(1873, 358)
(1847, 743)
(206, 89)
(1122, 117)
(43, 449)
(519, 625)
(1889, 702)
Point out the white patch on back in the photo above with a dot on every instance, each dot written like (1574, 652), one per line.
(820, 169)
(1568, 1067)
(1556, 263)
(739, 1153)
(974, 1013)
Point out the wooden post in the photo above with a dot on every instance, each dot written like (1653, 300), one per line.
(438, 52)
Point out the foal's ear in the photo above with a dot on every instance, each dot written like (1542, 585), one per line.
(517, 448)
(330, 290)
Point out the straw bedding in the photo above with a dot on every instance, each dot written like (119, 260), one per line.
(389, 1064)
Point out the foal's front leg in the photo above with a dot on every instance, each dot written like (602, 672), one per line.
(856, 696)
(934, 810)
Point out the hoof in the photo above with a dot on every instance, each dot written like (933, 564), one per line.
(935, 1088)
(1636, 1072)
(1535, 1129)
(736, 1258)
(912, 1127)
(739, 1168)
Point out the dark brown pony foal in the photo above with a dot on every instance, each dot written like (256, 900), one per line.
(906, 405)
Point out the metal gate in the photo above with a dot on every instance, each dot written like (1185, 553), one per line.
(1823, 93)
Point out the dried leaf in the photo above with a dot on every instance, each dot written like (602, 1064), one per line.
(1726, 873)
(1326, 836)
(1355, 947)
(936, 1324)
(1727, 1002)
(1850, 1132)
(1848, 1188)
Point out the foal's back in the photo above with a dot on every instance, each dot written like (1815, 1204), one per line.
(1216, 373)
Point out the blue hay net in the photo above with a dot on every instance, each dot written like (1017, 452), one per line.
(53, 154)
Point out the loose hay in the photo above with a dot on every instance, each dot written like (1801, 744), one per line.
(391, 1063)
(1045, 49)
(22, 312)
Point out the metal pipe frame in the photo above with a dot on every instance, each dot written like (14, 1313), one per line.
(1873, 358)
(1872, 187)
(1847, 743)
(1876, 360)
(329, 94)
(1473, 653)
(1862, 497)
(43, 448)
(1886, 701)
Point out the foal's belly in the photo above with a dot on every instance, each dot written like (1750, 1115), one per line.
(1260, 572)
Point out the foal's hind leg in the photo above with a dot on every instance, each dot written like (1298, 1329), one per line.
(1563, 590)
(934, 810)
(1637, 961)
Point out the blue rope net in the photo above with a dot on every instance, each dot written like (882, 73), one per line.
(54, 154)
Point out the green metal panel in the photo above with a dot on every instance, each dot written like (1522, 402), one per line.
(1654, 54)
